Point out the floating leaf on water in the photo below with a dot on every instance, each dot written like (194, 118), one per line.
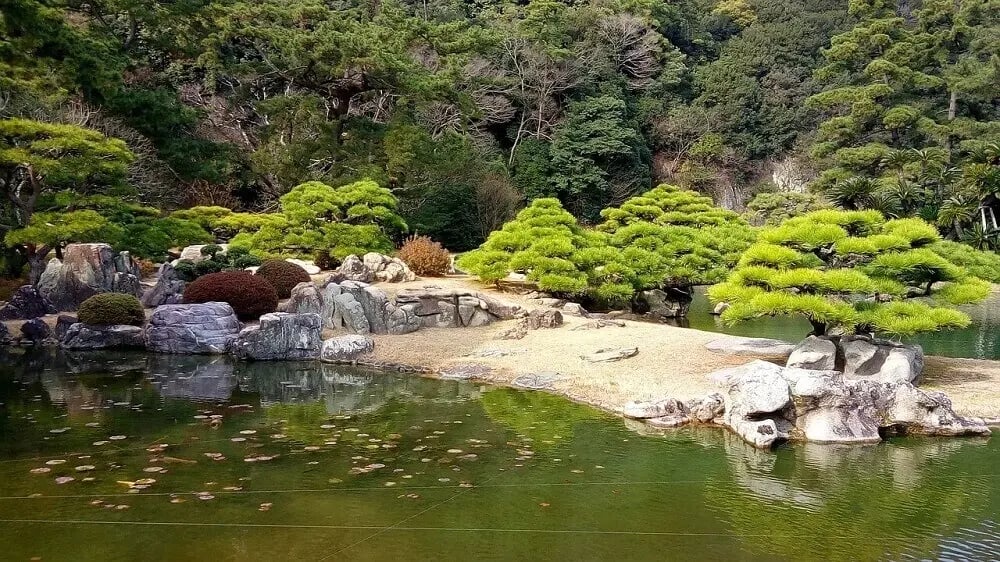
(390, 484)
(265, 506)
(120, 507)
(248, 432)
(97, 502)
(454, 451)
(469, 457)
(88, 479)
(407, 476)
(233, 488)
(60, 430)
(64, 479)
(329, 442)
(118, 437)
(238, 439)
(153, 469)
(99, 443)
(177, 500)
(425, 459)
(544, 504)
(278, 436)
(41, 470)
(216, 416)
(576, 471)
(419, 448)
(216, 456)
(145, 481)
(201, 417)
(327, 426)
(444, 479)
(334, 481)
(311, 448)
(92, 424)
(54, 462)
(598, 466)
(465, 484)
(85, 468)
(204, 496)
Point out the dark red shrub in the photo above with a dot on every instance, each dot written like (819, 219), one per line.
(283, 276)
(249, 295)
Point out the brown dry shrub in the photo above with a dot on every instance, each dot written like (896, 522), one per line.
(425, 256)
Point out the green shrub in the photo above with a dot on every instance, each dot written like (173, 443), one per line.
(107, 309)
(249, 295)
(854, 271)
(771, 209)
(982, 264)
(425, 256)
(283, 276)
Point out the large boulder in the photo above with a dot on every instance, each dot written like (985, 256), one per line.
(193, 253)
(63, 324)
(328, 294)
(169, 288)
(345, 348)
(86, 270)
(373, 301)
(192, 328)
(350, 315)
(26, 303)
(305, 299)
(388, 269)
(82, 336)
(760, 347)
(879, 360)
(280, 336)
(814, 353)
(451, 308)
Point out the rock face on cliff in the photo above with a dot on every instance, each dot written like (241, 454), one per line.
(280, 336)
(86, 270)
(306, 298)
(26, 303)
(767, 404)
(450, 308)
(860, 358)
(169, 288)
(192, 328)
(81, 336)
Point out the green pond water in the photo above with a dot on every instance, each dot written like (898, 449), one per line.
(121, 457)
(981, 340)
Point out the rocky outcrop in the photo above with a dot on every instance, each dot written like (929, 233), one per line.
(81, 336)
(860, 358)
(305, 299)
(86, 270)
(353, 269)
(309, 267)
(192, 328)
(345, 348)
(350, 315)
(610, 354)
(63, 323)
(767, 404)
(169, 288)
(450, 308)
(35, 331)
(26, 303)
(280, 336)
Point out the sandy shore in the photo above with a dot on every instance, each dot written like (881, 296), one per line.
(672, 362)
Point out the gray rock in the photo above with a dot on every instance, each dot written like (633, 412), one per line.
(169, 288)
(538, 381)
(192, 328)
(373, 301)
(720, 308)
(350, 315)
(920, 412)
(707, 409)
(353, 269)
(306, 298)
(308, 266)
(86, 270)
(280, 336)
(600, 323)
(193, 253)
(551, 302)
(537, 319)
(866, 358)
(814, 353)
(402, 320)
(345, 348)
(758, 389)
(610, 354)
(762, 347)
(5, 337)
(35, 331)
(465, 371)
(328, 294)
(668, 407)
(81, 336)
(664, 306)
(26, 303)
(574, 309)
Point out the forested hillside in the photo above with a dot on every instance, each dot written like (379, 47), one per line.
(467, 110)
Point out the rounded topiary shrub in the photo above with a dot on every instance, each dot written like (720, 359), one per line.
(249, 295)
(425, 256)
(283, 276)
(108, 309)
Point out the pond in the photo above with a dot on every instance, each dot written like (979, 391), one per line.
(981, 340)
(131, 457)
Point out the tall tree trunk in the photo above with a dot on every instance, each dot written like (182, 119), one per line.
(952, 113)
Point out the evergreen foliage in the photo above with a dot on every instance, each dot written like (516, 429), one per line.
(106, 309)
(853, 271)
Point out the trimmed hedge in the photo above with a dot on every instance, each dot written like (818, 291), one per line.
(108, 309)
(283, 276)
(249, 295)
(425, 256)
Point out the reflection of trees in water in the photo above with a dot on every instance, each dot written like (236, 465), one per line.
(828, 502)
(344, 389)
(537, 415)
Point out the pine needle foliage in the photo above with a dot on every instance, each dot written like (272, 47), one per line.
(856, 272)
